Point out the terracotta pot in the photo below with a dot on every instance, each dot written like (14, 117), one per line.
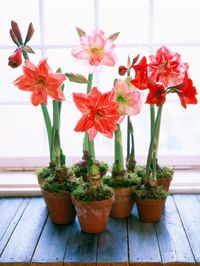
(93, 216)
(150, 210)
(123, 203)
(61, 209)
(165, 182)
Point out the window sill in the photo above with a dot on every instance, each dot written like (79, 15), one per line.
(15, 183)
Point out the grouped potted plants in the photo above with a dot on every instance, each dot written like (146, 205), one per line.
(164, 74)
(85, 188)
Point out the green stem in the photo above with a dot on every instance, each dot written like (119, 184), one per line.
(132, 155)
(92, 168)
(152, 142)
(157, 138)
(86, 140)
(90, 79)
(46, 117)
(152, 117)
(119, 164)
(56, 147)
(48, 127)
(128, 139)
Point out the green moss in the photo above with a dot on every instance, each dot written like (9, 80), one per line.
(150, 192)
(140, 170)
(60, 180)
(165, 172)
(80, 169)
(128, 180)
(90, 193)
(162, 172)
(60, 187)
(45, 172)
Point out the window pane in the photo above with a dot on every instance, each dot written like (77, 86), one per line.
(62, 17)
(176, 21)
(131, 18)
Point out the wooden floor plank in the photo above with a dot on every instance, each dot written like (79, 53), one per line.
(82, 247)
(143, 244)
(189, 210)
(23, 241)
(8, 209)
(173, 243)
(52, 244)
(11, 227)
(113, 245)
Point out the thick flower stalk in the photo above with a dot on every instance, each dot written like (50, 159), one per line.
(42, 83)
(165, 73)
(129, 104)
(99, 114)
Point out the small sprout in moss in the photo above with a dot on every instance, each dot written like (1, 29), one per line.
(129, 179)
(91, 193)
(148, 192)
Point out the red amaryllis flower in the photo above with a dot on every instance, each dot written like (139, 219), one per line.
(187, 92)
(41, 82)
(157, 94)
(141, 79)
(15, 59)
(100, 113)
(166, 67)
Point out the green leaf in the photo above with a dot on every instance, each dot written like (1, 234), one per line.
(78, 78)
(114, 36)
(80, 32)
(28, 49)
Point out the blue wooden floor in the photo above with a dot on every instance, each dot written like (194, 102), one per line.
(28, 237)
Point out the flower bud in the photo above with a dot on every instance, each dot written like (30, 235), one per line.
(122, 70)
(15, 59)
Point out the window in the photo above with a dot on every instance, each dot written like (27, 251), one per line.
(144, 25)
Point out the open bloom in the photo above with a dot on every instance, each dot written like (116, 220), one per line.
(156, 95)
(166, 68)
(100, 113)
(96, 49)
(15, 59)
(129, 100)
(187, 92)
(41, 81)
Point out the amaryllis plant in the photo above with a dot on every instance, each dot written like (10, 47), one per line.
(42, 82)
(96, 50)
(165, 73)
(129, 100)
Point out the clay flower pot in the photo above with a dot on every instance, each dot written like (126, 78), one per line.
(61, 209)
(165, 182)
(150, 210)
(93, 216)
(123, 204)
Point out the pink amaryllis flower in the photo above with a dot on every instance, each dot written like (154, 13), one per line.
(41, 81)
(129, 100)
(166, 68)
(99, 113)
(96, 49)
